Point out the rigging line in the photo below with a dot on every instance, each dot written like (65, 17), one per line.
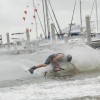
(72, 19)
(92, 9)
(44, 18)
(47, 19)
(39, 19)
(96, 13)
(55, 17)
(40, 23)
(35, 20)
(52, 20)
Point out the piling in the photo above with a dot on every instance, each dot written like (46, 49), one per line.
(88, 30)
(27, 35)
(8, 39)
(41, 36)
(53, 31)
(15, 48)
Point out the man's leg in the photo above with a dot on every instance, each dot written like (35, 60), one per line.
(48, 61)
(31, 70)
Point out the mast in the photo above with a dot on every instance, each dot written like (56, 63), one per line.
(44, 19)
(96, 14)
(35, 20)
(52, 21)
(55, 17)
(47, 19)
(80, 12)
(72, 19)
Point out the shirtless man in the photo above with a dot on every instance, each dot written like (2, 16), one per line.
(55, 59)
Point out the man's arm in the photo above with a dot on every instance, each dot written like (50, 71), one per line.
(56, 60)
(56, 63)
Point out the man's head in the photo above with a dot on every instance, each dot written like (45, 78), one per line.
(69, 58)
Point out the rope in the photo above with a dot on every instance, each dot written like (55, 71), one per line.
(39, 19)
(92, 9)
(55, 17)
(72, 19)
(52, 21)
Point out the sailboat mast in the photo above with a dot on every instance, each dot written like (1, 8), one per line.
(35, 19)
(96, 14)
(80, 12)
(55, 18)
(47, 19)
(44, 18)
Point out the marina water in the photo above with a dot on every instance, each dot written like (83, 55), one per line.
(17, 84)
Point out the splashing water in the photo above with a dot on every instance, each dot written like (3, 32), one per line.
(17, 84)
(83, 57)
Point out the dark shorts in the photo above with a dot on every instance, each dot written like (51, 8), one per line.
(49, 59)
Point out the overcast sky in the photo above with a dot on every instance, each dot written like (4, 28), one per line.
(12, 13)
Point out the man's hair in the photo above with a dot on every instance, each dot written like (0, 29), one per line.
(69, 58)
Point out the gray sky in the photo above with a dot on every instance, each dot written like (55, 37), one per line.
(12, 12)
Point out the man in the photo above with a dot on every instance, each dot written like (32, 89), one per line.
(55, 59)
